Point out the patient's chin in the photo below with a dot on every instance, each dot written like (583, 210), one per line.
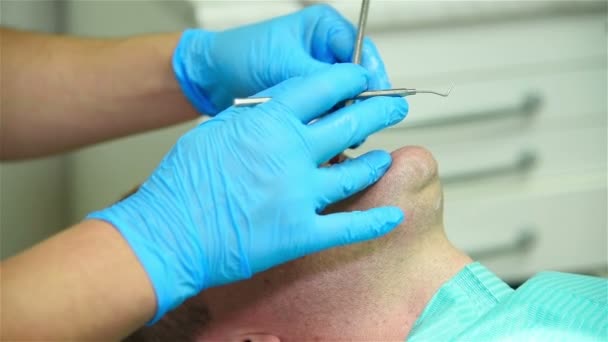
(411, 183)
(413, 168)
(412, 172)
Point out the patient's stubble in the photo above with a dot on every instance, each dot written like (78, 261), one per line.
(373, 290)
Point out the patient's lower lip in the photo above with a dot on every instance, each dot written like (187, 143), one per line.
(337, 159)
(334, 160)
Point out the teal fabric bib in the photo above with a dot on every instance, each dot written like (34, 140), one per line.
(475, 305)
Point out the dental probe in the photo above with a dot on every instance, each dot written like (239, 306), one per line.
(360, 36)
(360, 32)
(397, 92)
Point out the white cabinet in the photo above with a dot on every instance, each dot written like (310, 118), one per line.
(565, 230)
(520, 142)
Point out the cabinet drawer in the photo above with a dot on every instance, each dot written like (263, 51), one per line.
(520, 158)
(492, 50)
(442, 42)
(519, 236)
(221, 15)
(390, 15)
(487, 128)
(549, 100)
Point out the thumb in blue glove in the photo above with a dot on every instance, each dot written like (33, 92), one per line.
(213, 68)
(243, 192)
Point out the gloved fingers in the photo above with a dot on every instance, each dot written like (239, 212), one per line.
(340, 229)
(351, 176)
(371, 60)
(279, 87)
(310, 96)
(333, 38)
(334, 41)
(341, 41)
(302, 65)
(378, 79)
(357, 144)
(352, 124)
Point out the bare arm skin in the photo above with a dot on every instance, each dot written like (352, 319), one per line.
(59, 93)
(84, 284)
(56, 94)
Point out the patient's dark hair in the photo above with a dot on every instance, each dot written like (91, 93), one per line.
(181, 324)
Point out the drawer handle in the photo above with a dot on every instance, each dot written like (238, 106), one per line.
(526, 108)
(524, 162)
(521, 243)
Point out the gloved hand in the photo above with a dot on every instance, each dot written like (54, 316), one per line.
(243, 191)
(213, 68)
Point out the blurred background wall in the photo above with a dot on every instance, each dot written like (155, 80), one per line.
(521, 143)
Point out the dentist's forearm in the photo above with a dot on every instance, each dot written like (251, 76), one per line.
(84, 284)
(59, 93)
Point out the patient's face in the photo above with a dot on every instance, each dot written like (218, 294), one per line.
(331, 294)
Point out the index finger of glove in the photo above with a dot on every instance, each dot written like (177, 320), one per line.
(337, 131)
(372, 61)
(311, 96)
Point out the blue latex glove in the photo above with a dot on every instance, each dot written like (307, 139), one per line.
(243, 191)
(213, 68)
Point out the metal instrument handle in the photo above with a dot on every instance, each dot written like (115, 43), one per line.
(397, 92)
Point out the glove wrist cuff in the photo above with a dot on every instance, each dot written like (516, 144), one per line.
(172, 285)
